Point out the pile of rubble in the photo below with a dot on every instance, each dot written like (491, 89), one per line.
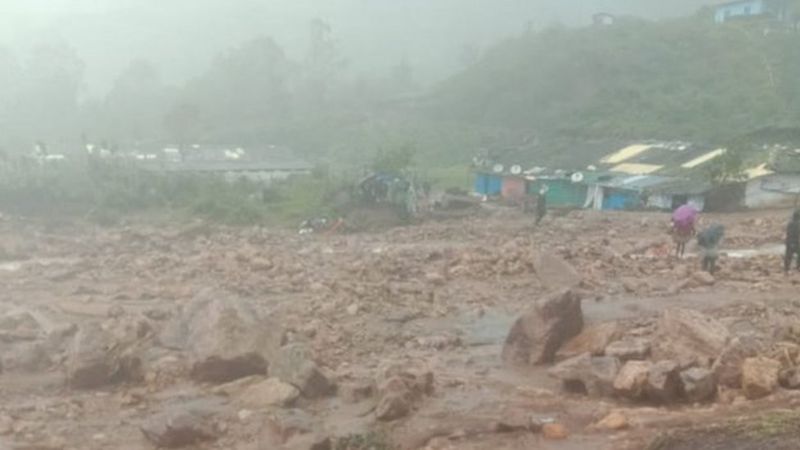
(681, 356)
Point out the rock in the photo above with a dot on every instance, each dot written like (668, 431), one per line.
(629, 349)
(283, 425)
(293, 364)
(270, 392)
(178, 429)
(357, 391)
(538, 334)
(97, 359)
(728, 365)
(116, 311)
(664, 382)
(615, 421)
(392, 407)
(400, 391)
(759, 377)
(352, 310)
(632, 379)
(593, 339)
(555, 431)
(28, 357)
(309, 442)
(226, 338)
(699, 384)
(790, 378)
(685, 335)
(703, 278)
(593, 375)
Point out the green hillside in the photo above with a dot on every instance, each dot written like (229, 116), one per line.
(678, 79)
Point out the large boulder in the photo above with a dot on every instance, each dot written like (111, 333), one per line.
(593, 339)
(538, 334)
(664, 382)
(759, 377)
(269, 392)
(226, 338)
(728, 366)
(699, 384)
(555, 273)
(592, 375)
(294, 364)
(97, 358)
(631, 381)
(686, 335)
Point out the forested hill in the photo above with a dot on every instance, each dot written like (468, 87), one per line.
(675, 79)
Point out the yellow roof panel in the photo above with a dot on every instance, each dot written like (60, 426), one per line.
(626, 153)
(702, 159)
(758, 171)
(636, 169)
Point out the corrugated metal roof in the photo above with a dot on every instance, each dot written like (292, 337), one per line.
(636, 169)
(626, 154)
(702, 159)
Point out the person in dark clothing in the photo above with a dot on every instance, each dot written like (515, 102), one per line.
(541, 204)
(792, 242)
(708, 240)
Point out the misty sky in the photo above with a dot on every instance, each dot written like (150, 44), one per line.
(181, 36)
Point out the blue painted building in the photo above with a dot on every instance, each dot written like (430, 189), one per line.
(490, 185)
(744, 9)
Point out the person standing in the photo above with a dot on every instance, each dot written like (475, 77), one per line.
(792, 242)
(683, 228)
(708, 240)
(541, 204)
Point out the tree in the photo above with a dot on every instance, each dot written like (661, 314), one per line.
(136, 103)
(323, 62)
(182, 123)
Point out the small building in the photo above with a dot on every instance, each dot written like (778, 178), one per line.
(776, 10)
(488, 184)
(603, 19)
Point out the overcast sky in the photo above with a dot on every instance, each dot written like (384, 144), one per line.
(181, 36)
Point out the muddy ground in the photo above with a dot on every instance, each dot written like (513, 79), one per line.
(437, 297)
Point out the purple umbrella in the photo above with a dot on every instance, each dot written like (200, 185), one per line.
(684, 217)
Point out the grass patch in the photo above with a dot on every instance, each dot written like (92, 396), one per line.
(367, 441)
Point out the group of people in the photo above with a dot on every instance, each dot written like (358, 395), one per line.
(684, 222)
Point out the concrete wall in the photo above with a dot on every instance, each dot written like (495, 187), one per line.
(772, 191)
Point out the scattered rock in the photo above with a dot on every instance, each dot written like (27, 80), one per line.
(685, 334)
(704, 278)
(283, 425)
(728, 366)
(294, 365)
(357, 391)
(555, 431)
(400, 392)
(613, 422)
(97, 359)
(309, 442)
(226, 338)
(593, 375)
(538, 334)
(178, 429)
(593, 339)
(699, 384)
(116, 311)
(631, 381)
(392, 407)
(790, 378)
(759, 377)
(270, 392)
(629, 349)
(352, 310)
(664, 382)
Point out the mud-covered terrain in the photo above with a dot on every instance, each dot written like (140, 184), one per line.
(199, 336)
